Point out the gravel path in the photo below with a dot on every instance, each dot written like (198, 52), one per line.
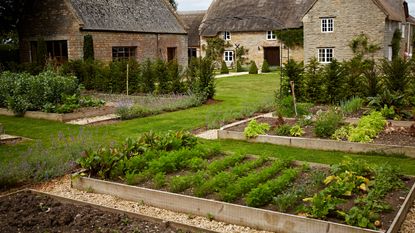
(61, 187)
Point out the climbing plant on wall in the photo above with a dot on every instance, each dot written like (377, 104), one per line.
(291, 37)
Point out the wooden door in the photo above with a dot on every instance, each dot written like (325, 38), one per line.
(272, 55)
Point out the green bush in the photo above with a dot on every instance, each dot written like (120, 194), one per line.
(296, 131)
(283, 130)
(224, 68)
(254, 129)
(173, 71)
(327, 123)
(265, 67)
(160, 71)
(352, 105)
(315, 90)
(387, 112)
(285, 106)
(206, 81)
(334, 76)
(293, 71)
(239, 66)
(88, 47)
(22, 92)
(253, 69)
(342, 133)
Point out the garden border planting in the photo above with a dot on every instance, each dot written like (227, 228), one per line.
(104, 110)
(319, 144)
(116, 211)
(230, 213)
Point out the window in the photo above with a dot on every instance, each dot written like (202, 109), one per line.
(228, 56)
(327, 25)
(192, 52)
(55, 49)
(389, 53)
(325, 55)
(403, 30)
(271, 35)
(227, 36)
(121, 53)
(171, 53)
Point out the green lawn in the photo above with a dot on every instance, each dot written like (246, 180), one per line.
(55, 144)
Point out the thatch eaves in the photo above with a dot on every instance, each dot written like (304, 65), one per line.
(146, 16)
(253, 16)
(192, 20)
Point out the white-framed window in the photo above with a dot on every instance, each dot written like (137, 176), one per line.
(227, 35)
(228, 56)
(325, 55)
(403, 30)
(389, 53)
(271, 35)
(327, 25)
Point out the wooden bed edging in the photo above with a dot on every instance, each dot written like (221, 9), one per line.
(321, 144)
(117, 211)
(104, 110)
(221, 211)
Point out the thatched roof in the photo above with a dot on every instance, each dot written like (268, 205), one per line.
(150, 16)
(192, 20)
(250, 16)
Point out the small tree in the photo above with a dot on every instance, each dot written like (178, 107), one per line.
(265, 67)
(206, 83)
(224, 68)
(253, 69)
(88, 48)
(215, 48)
(334, 77)
(314, 82)
(160, 72)
(42, 52)
(239, 66)
(397, 75)
(293, 71)
(147, 77)
(396, 43)
(175, 77)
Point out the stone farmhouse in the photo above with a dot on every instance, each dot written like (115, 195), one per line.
(121, 29)
(329, 26)
(251, 24)
(192, 20)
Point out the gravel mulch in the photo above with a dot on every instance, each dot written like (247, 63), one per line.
(62, 187)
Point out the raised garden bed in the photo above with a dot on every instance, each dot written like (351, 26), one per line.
(396, 139)
(176, 173)
(78, 114)
(32, 211)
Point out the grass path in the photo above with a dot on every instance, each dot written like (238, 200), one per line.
(56, 144)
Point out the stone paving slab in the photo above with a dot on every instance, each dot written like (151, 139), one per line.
(91, 120)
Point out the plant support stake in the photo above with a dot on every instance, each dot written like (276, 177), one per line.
(127, 77)
(293, 93)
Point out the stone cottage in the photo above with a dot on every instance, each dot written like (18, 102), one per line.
(329, 27)
(121, 29)
(251, 24)
(192, 20)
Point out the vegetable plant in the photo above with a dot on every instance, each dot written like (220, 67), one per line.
(254, 129)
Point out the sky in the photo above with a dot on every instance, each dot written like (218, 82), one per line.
(189, 5)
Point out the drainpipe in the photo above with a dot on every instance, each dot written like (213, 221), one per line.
(408, 45)
(157, 46)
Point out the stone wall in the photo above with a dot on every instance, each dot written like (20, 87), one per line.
(351, 18)
(55, 20)
(255, 43)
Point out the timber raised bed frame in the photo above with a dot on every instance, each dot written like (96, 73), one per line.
(61, 117)
(231, 213)
(320, 144)
(116, 211)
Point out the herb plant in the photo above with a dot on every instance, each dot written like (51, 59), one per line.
(254, 129)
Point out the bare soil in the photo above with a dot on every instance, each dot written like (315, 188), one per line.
(402, 136)
(28, 212)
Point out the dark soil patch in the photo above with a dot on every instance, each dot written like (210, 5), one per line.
(28, 212)
(396, 136)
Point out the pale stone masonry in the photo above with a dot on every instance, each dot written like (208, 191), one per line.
(377, 19)
(60, 20)
(256, 43)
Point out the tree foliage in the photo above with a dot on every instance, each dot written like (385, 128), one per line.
(88, 48)
(396, 43)
(291, 37)
(173, 4)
